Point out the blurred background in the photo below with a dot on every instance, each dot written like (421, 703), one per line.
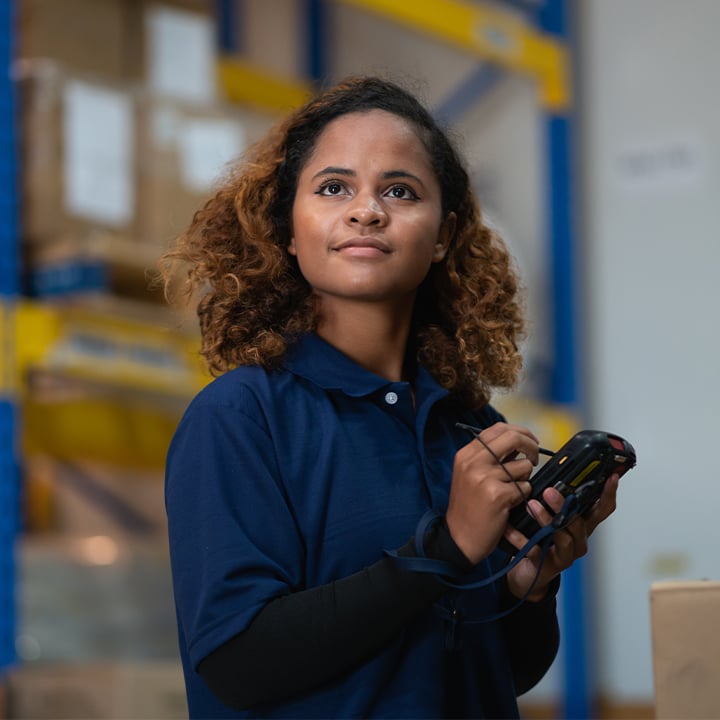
(591, 133)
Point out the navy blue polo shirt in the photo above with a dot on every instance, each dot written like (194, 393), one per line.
(285, 480)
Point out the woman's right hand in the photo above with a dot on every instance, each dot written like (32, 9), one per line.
(483, 492)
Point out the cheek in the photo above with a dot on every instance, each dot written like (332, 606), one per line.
(309, 230)
(430, 243)
(299, 226)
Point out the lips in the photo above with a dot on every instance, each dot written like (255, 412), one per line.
(363, 243)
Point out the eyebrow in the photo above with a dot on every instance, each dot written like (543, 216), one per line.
(346, 172)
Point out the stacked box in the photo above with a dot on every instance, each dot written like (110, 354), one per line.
(185, 150)
(123, 139)
(96, 691)
(98, 36)
(78, 155)
(104, 37)
(60, 691)
(84, 66)
(96, 634)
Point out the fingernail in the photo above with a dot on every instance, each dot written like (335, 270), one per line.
(534, 506)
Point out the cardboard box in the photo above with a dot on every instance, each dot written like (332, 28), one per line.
(99, 36)
(108, 38)
(92, 267)
(78, 156)
(685, 620)
(103, 691)
(185, 149)
(282, 20)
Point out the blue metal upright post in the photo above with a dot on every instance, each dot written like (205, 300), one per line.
(9, 287)
(229, 16)
(578, 695)
(316, 59)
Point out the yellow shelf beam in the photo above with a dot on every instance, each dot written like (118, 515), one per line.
(97, 429)
(96, 386)
(495, 35)
(98, 348)
(244, 83)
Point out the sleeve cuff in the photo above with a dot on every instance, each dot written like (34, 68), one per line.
(439, 545)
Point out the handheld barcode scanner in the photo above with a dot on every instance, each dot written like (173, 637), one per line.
(579, 469)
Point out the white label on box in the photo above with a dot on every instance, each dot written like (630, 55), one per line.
(181, 54)
(206, 147)
(165, 126)
(98, 135)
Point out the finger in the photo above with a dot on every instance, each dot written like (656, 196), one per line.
(504, 441)
(518, 540)
(512, 494)
(575, 536)
(515, 470)
(606, 505)
(539, 512)
(554, 499)
(564, 540)
(566, 548)
(544, 512)
(499, 428)
(523, 489)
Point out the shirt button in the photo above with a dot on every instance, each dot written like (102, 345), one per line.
(391, 398)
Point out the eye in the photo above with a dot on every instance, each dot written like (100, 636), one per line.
(331, 187)
(402, 192)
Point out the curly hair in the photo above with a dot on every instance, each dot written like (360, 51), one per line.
(254, 301)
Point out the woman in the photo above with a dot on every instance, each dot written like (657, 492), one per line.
(356, 308)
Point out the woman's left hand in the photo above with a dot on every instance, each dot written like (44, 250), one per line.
(569, 544)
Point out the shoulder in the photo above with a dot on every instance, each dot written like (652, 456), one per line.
(250, 394)
(235, 411)
(238, 397)
(235, 387)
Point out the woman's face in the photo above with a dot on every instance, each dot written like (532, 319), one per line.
(367, 221)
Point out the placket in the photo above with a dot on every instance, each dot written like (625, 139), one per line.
(397, 399)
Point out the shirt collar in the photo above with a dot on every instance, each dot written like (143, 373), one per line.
(316, 360)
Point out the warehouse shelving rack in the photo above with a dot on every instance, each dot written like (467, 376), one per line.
(9, 274)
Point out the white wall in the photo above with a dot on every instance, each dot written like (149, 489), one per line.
(651, 170)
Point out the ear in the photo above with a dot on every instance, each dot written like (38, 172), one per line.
(291, 247)
(445, 236)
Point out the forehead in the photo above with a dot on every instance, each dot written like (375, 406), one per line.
(374, 134)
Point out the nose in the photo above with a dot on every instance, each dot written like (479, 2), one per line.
(366, 210)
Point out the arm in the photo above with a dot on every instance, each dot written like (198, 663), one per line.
(300, 641)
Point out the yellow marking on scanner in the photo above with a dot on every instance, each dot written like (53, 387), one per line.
(584, 473)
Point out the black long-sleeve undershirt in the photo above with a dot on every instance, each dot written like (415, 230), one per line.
(303, 640)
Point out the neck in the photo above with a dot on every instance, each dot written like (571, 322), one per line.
(369, 334)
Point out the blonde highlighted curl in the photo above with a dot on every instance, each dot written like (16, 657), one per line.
(252, 300)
